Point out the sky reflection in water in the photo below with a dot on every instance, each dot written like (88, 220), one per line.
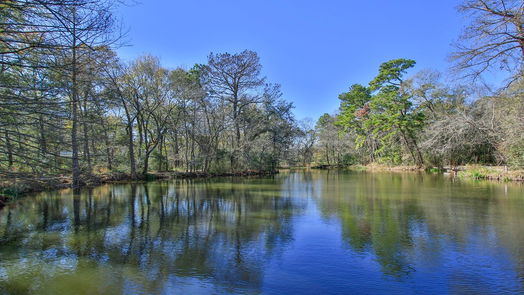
(296, 233)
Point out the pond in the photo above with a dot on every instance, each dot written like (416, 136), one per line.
(304, 232)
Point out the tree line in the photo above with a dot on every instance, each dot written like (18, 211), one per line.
(69, 105)
(420, 120)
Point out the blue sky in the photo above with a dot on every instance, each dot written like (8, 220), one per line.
(314, 49)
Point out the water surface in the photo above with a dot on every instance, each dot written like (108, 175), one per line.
(320, 232)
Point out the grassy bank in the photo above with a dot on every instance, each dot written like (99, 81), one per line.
(497, 173)
(478, 172)
(370, 167)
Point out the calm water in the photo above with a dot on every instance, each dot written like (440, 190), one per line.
(295, 233)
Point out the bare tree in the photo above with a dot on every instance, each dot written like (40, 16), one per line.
(494, 38)
(235, 78)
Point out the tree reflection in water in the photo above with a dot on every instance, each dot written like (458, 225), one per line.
(145, 236)
(299, 232)
(411, 221)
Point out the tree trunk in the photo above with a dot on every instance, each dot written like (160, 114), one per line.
(146, 163)
(87, 154)
(43, 141)
(161, 152)
(176, 150)
(327, 155)
(130, 143)
(236, 145)
(109, 149)
(74, 111)
(140, 134)
(413, 149)
(9, 150)
(131, 148)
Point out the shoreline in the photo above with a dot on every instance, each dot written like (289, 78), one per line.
(473, 172)
(18, 185)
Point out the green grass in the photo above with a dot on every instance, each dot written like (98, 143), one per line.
(434, 170)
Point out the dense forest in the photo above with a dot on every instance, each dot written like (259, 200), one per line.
(69, 105)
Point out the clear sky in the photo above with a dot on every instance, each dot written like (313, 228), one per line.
(314, 49)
